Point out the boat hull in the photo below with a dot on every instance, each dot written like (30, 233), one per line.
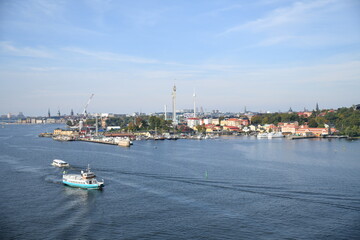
(85, 186)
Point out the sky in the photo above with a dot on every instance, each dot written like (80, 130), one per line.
(267, 55)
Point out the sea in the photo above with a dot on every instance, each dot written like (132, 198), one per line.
(225, 188)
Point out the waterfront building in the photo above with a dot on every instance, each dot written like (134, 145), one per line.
(206, 121)
(252, 128)
(216, 121)
(303, 130)
(210, 128)
(193, 122)
(231, 129)
(288, 127)
(50, 120)
(312, 131)
(67, 132)
(245, 121)
(271, 128)
(235, 122)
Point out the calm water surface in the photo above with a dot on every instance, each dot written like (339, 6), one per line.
(228, 188)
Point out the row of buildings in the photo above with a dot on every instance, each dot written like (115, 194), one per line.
(30, 120)
(238, 125)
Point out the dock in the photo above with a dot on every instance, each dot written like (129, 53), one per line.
(292, 137)
(122, 142)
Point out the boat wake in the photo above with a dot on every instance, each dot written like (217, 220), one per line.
(348, 202)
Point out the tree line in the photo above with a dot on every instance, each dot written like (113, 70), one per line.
(143, 123)
(346, 120)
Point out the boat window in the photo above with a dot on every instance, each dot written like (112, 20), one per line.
(90, 182)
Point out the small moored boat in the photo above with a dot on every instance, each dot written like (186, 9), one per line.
(85, 180)
(262, 135)
(275, 135)
(59, 163)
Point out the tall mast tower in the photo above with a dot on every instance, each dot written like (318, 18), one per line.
(194, 95)
(174, 105)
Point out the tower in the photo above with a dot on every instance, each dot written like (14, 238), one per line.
(165, 113)
(174, 105)
(72, 113)
(194, 95)
(49, 112)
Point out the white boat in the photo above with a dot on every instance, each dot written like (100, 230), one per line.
(124, 142)
(85, 180)
(275, 135)
(262, 135)
(60, 163)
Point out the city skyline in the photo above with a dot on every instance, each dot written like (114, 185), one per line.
(267, 55)
(190, 111)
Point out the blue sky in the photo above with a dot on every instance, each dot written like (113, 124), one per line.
(265, 55)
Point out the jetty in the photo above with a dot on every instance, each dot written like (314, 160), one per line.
(294, 137)
(107, 140)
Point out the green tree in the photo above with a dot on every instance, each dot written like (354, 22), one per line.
(201, 128)
(265, 120)
(257, 119)
(312, 123)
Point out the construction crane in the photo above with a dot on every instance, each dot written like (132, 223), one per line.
(81, 122)
(87, 104)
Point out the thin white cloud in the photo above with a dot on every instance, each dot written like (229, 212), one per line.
(44, 69)
(108, 56)
(9, 48)
(285, 16)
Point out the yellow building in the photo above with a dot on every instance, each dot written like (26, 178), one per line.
(59, 131)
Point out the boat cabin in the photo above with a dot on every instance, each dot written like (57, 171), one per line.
(60, 163)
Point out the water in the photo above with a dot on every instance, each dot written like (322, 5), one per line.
(228, 188)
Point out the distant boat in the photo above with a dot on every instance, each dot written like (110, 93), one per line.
(159, 137)
(85, 180)
(275, 135)
(60, 163)
(63, 138)
(262, 135)
(124, 142)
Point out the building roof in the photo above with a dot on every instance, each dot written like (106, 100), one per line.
(232, 127)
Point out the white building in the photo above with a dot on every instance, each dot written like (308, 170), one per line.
(193, 122)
